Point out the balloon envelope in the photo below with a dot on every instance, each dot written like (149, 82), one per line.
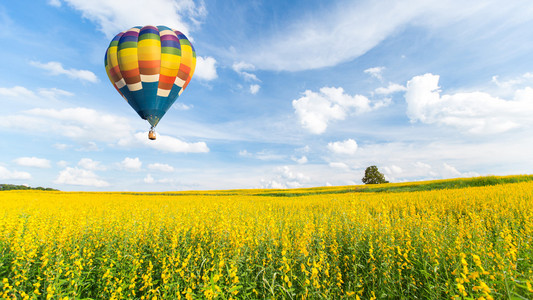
(150, 67)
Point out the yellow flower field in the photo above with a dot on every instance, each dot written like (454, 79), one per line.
(466, 243)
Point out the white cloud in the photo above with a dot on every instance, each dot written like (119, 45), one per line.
(56, 68)
(512, 82)
(390, 89)
(205, 68)
(6, 174)
(33, 97)
(181, 106)
(451, 171)
(254, 88)
(353, 28)
(268, 155)
(286, 178)
(163, 143)
(444, 158)
(422, 165)
(131, 164)
(272, 184)
(54, 93)
(249, 76)
(301, 160)
(245, 153)
(115, 16)
(33, 162)
(148, 179)
(375, 72)
(264, 155)
(316, 110)
(16, 91)
(507, 86)
(89, 164)
(87, 125)
(242, 67)
(75, 123)
(348, 147)
(55, 3)
(392, 170)
(76, 176)
(339, 165)
(474, 112)
(161, 167)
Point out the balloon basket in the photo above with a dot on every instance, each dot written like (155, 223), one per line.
(151, 135)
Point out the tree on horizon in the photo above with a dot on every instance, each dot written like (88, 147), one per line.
(373, 176)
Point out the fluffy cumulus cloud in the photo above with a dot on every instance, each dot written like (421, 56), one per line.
(56, 68)
(161, 167)
(33, 162)
(81, 177)
(285, 177)
(149, 179)
(205, 68)
(115, 16)
(316, 110)
(254, 88)
(347, 147)
(163, 143)
(131, 164)
(472, 112)
(6, 174)
(89, 164)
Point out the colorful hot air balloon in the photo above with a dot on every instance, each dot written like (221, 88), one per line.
(150, 67)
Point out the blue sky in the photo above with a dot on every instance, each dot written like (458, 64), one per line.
(286, 94)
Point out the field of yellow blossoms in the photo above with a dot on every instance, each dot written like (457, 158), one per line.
(324, 243)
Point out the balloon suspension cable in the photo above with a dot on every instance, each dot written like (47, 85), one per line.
(151, 133)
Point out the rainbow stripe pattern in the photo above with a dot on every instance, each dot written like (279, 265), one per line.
(150, 67)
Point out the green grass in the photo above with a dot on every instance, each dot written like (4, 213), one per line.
(456, 183)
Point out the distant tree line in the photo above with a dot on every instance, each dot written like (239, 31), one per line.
(7, 187)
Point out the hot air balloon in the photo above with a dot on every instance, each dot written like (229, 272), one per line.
(150, 67)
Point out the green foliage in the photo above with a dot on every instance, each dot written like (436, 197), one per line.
(9, 187)
(373, 176)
